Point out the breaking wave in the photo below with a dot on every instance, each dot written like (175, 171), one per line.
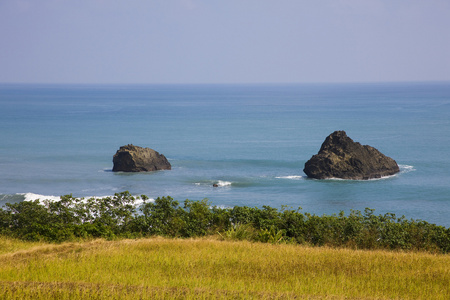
(12, 198)
(293, 177)
(406, 168)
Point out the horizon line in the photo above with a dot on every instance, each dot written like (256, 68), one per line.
(225, 83)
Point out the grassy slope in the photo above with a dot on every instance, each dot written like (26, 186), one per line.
(207, 268)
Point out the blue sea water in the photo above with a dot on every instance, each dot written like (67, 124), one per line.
(253, 140)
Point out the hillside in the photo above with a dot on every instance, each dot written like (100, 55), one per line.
(212, 268)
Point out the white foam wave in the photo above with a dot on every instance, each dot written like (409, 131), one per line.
(406, 168)
(294, 177)
(355, 180)
(33, 197)
(223, 183)
(384, 177)
(363, 180)
(403, 169)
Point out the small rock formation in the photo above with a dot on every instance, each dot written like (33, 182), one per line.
(341, 157)
(132, 158)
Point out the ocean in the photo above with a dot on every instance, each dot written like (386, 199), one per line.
(251, 140)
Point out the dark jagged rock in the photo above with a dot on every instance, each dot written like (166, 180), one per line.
(341, 157)
(132, 158)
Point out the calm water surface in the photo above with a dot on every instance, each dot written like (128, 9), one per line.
(253, 140)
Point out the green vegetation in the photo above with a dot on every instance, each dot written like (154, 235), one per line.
(72, 219)
(208, 268)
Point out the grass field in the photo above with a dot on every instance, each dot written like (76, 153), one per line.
(160, 268)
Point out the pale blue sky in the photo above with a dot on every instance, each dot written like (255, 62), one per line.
(223, 41)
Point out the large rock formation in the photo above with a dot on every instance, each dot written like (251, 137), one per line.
(132, 158)
(341, 157)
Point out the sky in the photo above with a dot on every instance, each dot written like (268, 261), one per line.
(223, 41)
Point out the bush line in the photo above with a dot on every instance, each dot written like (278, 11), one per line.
(122, 216)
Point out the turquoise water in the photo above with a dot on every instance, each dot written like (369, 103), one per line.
(251, 139)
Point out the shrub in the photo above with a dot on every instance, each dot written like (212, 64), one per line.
(120, 216)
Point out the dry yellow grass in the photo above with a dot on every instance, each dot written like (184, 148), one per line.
(212, 269)
(8, 245)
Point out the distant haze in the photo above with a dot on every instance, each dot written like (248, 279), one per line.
(212, 41)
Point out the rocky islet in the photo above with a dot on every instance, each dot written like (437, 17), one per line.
(131, 158)
(341, 157)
